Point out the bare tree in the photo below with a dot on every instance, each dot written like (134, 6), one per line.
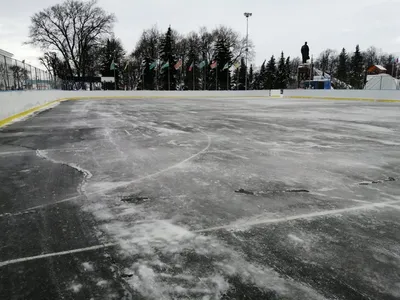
(20, 76)
(71, 28)
(236, 42)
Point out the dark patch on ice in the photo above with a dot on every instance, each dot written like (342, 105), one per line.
(297, 191)
(377, 181)
(243, 191)
(247, 192)
(126, 275)
(134, 199)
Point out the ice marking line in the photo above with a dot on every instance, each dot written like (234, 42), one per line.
(51, 149)
(394, 206)
(127, 132)
(297, 217)
(29, 258)
(116, 185)
(161, 171)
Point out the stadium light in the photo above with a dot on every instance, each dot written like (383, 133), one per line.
(247, 15)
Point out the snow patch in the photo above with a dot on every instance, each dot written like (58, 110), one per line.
(88, 267)
(75, 287)
(295, 238)
(102, 283)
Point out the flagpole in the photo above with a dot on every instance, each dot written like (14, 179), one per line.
(205, 76)
(393, 68)
(237, 83)
(227, 80)
(193, 74)
(115, 80)
(168, 78)
(216, 77)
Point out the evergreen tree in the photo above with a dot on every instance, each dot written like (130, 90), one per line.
(357, 69)
(191, 63)
(251, 78)
(223, 56)
(270, 74)
(242, 74)
(281, 74)
(111, 50)
(259, 78)
(148, 75)
(235, 79)
(167, 59)
(289, 79)
(342, 69)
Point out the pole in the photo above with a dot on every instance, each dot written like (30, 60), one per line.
(216, 77)
(6, 71)
(31, 85)
(247, 49)
(115, 79)
(227, 79)
(393, 69)
(247, 15)
(237, 80)
(193, 74)
(168, 78)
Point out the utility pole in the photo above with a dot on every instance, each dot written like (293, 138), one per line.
(247, 15)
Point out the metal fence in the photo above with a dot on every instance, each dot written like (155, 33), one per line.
(17, 75)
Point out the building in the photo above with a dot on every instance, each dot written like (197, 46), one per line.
(5, 56)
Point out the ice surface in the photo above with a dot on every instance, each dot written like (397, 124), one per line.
(195, 237)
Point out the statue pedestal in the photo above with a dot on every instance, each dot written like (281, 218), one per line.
(303, 73)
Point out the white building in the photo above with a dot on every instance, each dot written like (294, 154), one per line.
(5, 55)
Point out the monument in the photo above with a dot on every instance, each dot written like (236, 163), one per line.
(305, 53)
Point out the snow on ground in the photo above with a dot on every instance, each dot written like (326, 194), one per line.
(183, 228)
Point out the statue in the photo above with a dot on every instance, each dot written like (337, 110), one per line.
(305, 52)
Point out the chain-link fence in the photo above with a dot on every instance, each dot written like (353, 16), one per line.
(17, 75)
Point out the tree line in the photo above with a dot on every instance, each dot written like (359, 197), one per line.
(79, 44)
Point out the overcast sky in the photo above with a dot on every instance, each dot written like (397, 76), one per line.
(276, 25)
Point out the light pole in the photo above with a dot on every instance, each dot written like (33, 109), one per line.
(247, 15)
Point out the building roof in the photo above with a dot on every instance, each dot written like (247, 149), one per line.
(6, 53)
(376, 68)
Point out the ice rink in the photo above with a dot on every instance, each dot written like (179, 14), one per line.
(212, 198)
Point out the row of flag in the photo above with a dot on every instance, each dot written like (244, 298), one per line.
(201, 65)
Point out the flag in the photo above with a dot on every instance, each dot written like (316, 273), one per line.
(178, 65)
(191, 67)
(153, 65)
(226, 66)
(213, 64)
(166, 65)
(113, 66)
(202, 64)
(127, 63)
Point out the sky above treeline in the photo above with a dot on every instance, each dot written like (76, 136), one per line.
(276, 25)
